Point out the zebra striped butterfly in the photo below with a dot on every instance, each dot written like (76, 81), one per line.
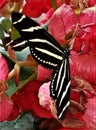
(48, 53)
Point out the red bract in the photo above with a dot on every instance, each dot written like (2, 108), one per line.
(2, 3)
(84, 66)
(43, 73)
(47, 16)
(15, 0)
(90, 114)
(45, 100)
(88, 16)
(6, 106)
(67, 1)
(65, 21)
(27, 100)
(14, 113)
(3, 69)
(35, 8)
(86, 35)
(85, 40)
(91, 3)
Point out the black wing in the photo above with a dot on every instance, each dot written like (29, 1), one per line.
(47, 52)
(18, 44)
(60, 88)
(44, 48)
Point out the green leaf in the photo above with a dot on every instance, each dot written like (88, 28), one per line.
(6, 24)
(13, 88)
(1, 32)
(25, 74)
(24, 122)
(54, 4)
(14, 34)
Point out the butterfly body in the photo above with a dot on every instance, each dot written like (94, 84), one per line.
(48, 53)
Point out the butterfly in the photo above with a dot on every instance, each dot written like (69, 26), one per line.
(48, 53)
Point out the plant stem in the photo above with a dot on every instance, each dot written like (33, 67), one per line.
(63, 1)
(54, 4)
(11, 74)
(32, 77)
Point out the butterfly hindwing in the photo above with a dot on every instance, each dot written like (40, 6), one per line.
(58, 90)
(18, 44)
(47, 52)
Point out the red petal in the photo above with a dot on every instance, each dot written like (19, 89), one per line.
(3, 68)
(43, 73)
(80, 68)
(27, 99)
(88, 16)
(2, 3)
(65, 20)
(6, 106)
(90, 114)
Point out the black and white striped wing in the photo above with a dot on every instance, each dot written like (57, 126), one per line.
(60, 88)
(47, 52)
(18, 44)
(44, 48)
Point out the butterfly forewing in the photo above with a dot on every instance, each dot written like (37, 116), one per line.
(47, 52)
(43, 46)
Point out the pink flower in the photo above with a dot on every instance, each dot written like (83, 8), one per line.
(88, 117)
(90, 114)
(86, 35)
(88, 16)
(84, 66)
(65, 20)
(6, 104)
(45, 100)
(85, 40)
(44, 96)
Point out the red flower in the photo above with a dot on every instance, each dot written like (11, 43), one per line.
(27, 100)
(6, 106)
(2, 3)
(43, 73)
(91, 3)
(88, 16)
(90, 114)
(65, 20)
(84, 66)
(3, 69)
(14, 113)
(85, 40)
(35, 8)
